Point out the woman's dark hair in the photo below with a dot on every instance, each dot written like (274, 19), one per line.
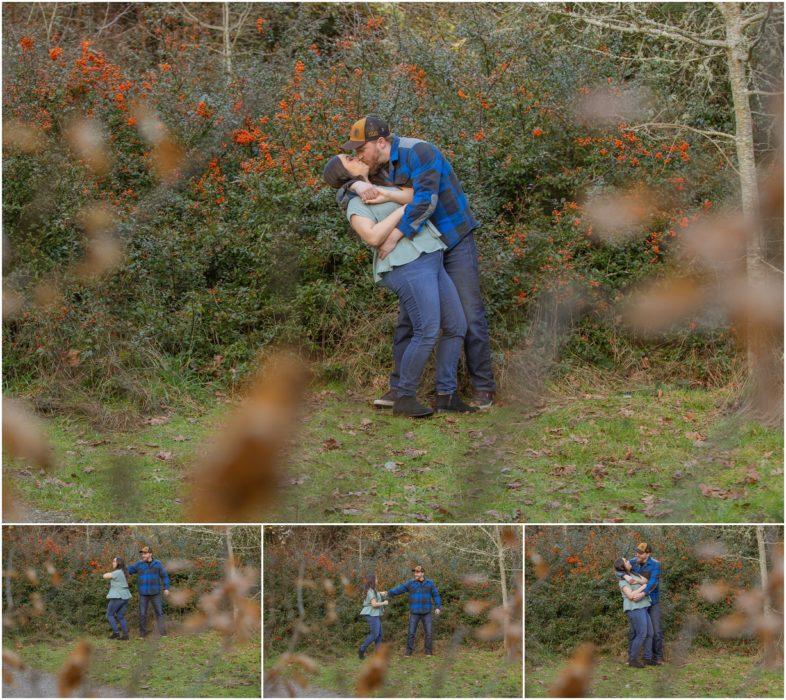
(121, 564)
(335, 174)
(619, 565)
(370, 582)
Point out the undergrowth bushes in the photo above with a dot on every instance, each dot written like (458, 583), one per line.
(250, 251)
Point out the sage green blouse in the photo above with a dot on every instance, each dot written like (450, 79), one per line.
(427, 240)
(627, 603)
(118, 586)
(369, 609)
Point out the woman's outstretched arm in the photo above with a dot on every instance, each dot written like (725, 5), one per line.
(375, 234)
(401, 195)
(108, 575)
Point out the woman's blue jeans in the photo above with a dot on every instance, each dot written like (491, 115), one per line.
(432, 303)
(641, 634)
(374, 635)
(115, 612)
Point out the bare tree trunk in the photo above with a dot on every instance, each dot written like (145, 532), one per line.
(9, 571)
(231, 566)
(737, 54)
(763, 573)
(503, 581)
(227, 45)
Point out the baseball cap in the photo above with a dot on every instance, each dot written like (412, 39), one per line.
(145, 550)
(369, 128)
(418, 569)
(643, 548)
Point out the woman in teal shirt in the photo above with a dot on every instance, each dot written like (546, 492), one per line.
(118, 597)
(414, 271)
(635, 606)
(372, 611)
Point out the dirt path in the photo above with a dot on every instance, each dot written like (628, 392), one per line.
(25, 513)
(277, 690)
(31, 683)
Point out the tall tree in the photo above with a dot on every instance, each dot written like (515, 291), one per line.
(698, 31)
(763, 570)
(230, 30)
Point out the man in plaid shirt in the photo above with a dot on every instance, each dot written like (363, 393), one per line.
(152, 578)
(438, 196)
(421, 593)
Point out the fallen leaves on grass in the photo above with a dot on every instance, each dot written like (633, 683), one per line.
(718, 492)
(157, 420)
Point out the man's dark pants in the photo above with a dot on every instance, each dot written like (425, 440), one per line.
(461, 263)
(414, 620)
(657, 637)
(145, 601)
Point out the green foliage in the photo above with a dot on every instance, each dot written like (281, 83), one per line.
(578, 598)
(249, 251)
(343, 556)
(62, 567)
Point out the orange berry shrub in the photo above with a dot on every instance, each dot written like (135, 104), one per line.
(213, 184)
(60, 575)
(573, 593)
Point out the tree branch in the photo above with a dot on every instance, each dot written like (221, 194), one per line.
(616, 25)
(199, 21)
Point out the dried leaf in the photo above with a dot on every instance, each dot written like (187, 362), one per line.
(574, 679)
(241, 471)
(74, 669)
(372, 673)
(23, 435)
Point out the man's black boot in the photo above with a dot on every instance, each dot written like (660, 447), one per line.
(410, 407)
(452, 403)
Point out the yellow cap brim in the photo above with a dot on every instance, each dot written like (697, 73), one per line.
(352, 145)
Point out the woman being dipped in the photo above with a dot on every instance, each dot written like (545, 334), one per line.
(414, 271)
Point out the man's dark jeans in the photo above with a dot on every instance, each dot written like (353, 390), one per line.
(145, 601)
(640, 634)
(374, 635)
(461, 263)
(414, 620)
(115, 612)
(657, 632)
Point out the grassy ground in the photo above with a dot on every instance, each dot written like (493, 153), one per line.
(618, 454)
(706, 674)
(470, 673)
(175, 666)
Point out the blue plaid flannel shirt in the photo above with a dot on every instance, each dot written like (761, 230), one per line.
(653, 566)
(150, 576)
(438, 194)
(420, 595)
